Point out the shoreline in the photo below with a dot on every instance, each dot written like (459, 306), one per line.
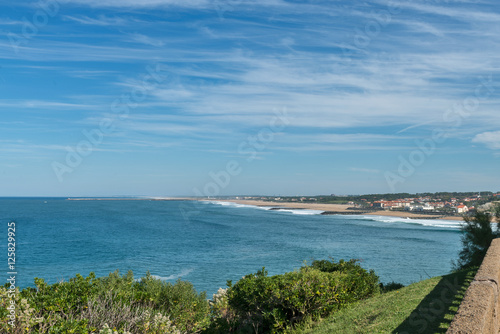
(129, 199)
(328, 209)
(340, 209)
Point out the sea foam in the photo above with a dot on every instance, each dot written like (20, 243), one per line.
(440, 223)
(273, 208)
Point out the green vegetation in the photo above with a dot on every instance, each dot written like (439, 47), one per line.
(113, 304)
(267, 304)
(477, 234)
(258, 303)
(424, 307)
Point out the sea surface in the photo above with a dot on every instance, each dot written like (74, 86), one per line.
(208, 243)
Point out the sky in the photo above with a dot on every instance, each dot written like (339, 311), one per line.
(233, 97)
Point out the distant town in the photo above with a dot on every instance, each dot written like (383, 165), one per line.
(441, 203)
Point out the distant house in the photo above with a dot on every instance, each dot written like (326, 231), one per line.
(416, 208)
(462, 208)
(419, 207)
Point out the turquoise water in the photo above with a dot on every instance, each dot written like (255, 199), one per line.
(209, 243)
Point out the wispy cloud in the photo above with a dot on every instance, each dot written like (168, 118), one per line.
(178, 3)
(225, 76)
(41, 104)
(465, 13)
(490, 139)
(100, 20)
(8, 22)
(142, 3)
(143, 39)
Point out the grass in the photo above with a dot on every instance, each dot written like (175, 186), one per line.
(424, 307)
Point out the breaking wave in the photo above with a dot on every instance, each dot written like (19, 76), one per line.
(440, 223)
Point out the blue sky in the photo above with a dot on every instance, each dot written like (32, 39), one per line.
(179, 98)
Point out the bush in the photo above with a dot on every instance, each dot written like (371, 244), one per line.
(362, 283)
(390, 287)
(112, 304)
(25, 315)
(223, 318)
(326, 266)
(477, 234)
(272, 303)
(116, 304)
(189, 311)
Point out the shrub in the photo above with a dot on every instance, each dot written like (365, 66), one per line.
(327, 266)
(189, 310)
(477, 234)
(387, 287)
(122, 305)
(65, 298)
(361, 283)
(223, 318)
(271, 303)
(112, 304)
(25, 314)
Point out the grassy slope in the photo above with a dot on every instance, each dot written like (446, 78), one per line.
(424, 307)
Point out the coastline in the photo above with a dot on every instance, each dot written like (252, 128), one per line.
(341, 209)
(130, 199)
(329, 209)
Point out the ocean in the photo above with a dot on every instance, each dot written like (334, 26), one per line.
(208, 243)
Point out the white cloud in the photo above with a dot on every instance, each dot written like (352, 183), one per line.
(464, 13)
(101, 20)
(220, 5)
(143, 39)
(10, 22)
(40, 104)
(490, 139)
(422, 27)
(141, 3)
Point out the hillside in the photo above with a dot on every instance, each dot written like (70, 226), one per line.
(424, 307)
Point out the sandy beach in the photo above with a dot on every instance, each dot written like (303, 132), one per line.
(339, 208)
(332, 208)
